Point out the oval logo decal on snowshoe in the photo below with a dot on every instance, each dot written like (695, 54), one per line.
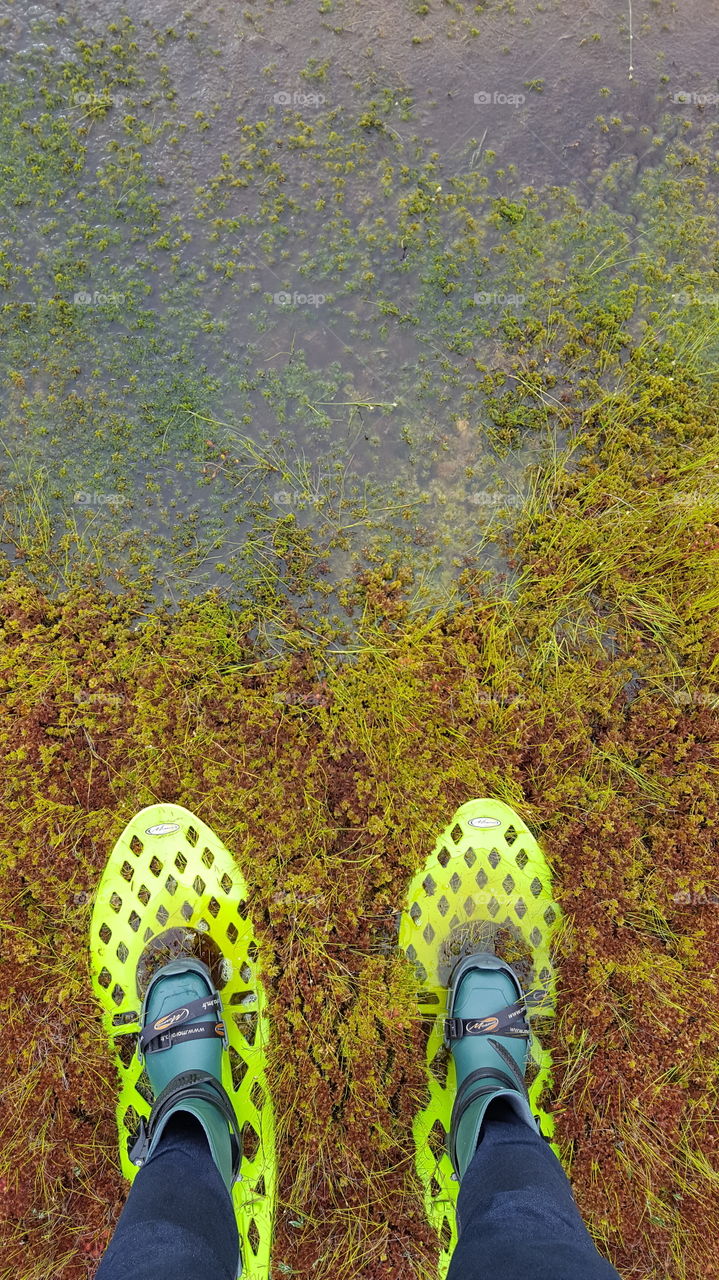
(162, 829)
(170, 1019)
(484, 822)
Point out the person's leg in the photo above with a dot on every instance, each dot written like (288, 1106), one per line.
(178, 1222)
(517, 1218)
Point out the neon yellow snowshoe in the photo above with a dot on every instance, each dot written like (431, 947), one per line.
(171, 887)
(485, 887)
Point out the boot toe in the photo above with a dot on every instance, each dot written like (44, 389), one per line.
(172, 987)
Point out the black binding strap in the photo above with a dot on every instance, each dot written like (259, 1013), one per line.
(468, 1093)
(200, 1031)
(182, 1088)
(502, 1023)
(169, 1029)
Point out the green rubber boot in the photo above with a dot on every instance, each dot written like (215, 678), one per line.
(182, 1041)
(487, 1033)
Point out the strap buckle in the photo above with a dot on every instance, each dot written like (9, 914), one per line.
(453, 1029)
(510, 1021)
(492, 1024)
(185, 1085)
(137, 1152)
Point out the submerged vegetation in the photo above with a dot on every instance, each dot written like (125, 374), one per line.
(320, 578)
(301, 323)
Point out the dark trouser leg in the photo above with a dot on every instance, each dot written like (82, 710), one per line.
(517, 1218)
(178, 1222)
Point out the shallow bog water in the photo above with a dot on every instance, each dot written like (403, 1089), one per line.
(268, 274)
